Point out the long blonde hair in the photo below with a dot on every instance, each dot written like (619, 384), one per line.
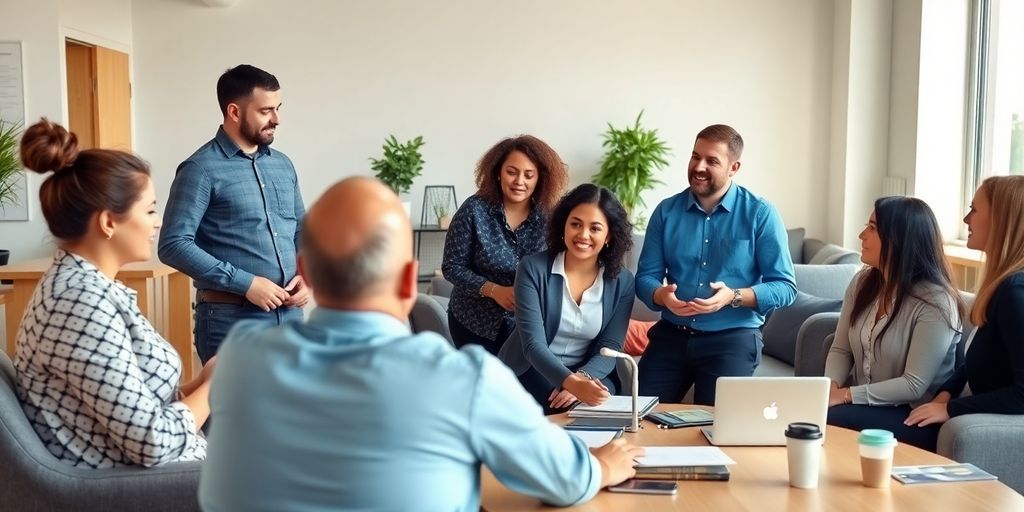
(1004, 250)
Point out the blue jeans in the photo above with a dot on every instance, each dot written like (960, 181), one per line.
(675, 360)
(213, 321)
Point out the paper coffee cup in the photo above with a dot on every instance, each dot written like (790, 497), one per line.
(876, 449)
(803, 451)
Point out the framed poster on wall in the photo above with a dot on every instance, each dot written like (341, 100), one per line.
(12, 110)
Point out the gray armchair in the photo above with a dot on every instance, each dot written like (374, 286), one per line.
(989, 441)
(34, 480)
(430, 313)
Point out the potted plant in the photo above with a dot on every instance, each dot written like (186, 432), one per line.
(10, 168)
(444, 215)
(400, 165)
(632, 156)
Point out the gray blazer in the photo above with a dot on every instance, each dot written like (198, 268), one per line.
(538, 310)
(914, 356)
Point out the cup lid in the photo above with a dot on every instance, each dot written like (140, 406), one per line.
(876, 437)
(801, 430)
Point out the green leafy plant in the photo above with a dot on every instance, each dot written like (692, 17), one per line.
(401, 163)
(10, 165)
(632, 156)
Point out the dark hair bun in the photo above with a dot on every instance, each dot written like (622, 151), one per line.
(47, 146)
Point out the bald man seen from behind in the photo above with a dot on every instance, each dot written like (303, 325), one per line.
(350, 410)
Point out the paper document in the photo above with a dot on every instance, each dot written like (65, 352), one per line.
(683, 456)
(595, 438)
(618, 403)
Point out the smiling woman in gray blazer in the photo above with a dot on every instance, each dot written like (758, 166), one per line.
(573, 300)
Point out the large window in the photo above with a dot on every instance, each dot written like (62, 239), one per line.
(995, 144)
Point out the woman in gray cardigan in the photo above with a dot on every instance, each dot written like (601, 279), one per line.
(571, 301)
(896, 339)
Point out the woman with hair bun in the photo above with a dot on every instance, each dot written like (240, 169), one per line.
(96, 381)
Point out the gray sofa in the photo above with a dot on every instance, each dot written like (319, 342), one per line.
(34, 480)
(989, 441)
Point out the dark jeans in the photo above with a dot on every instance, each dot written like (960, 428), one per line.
(539, 387)
(676, 359)
(462, 336)
(213, 321)
(860, 417)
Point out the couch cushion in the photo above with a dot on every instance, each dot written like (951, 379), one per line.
(780, 330)
(796, 243)
(832, 254)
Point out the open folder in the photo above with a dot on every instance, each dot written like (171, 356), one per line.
(615, 407)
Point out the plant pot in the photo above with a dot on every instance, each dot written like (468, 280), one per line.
(444, 221)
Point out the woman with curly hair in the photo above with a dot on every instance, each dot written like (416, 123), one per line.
(573, 300)
(518, 182)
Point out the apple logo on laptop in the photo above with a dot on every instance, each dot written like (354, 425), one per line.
(771, 412)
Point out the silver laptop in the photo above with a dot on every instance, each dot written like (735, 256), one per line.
(754, 411)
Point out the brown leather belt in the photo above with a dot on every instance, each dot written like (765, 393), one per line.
(219, 297)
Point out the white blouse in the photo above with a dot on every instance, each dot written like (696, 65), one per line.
(96, 381)
(580, 323)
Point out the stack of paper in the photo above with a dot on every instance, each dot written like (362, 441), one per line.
(683, 463)
(615, 407)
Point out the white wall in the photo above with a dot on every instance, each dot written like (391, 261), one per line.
(41, 26)
(860, 114)
(464, 73)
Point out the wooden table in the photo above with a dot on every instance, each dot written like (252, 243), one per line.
(164, 296)
(760, 481)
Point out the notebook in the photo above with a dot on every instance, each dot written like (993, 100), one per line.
(754, 411)
(615, 407)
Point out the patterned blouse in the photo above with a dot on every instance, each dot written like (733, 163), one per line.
(480, 247)
(96, 381)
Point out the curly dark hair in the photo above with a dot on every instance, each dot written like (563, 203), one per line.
(552, 174)
(620, 229)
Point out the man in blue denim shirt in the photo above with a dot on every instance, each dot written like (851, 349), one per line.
(715, 261)
(234, 213)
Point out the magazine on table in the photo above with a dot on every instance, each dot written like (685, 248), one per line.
(940, 473)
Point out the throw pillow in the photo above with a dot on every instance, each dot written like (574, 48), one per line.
(780, 329)
(829, 252)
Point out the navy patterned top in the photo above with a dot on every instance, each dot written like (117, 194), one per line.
(481, 247)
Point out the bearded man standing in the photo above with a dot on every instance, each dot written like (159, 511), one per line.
(234, 215)
(715, 260)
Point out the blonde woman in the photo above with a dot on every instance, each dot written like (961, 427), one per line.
(994, 365)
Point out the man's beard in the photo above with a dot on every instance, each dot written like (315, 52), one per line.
(255, 136)
(704, 188)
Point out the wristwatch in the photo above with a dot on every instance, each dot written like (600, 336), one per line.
(584, 374)
(737, 299)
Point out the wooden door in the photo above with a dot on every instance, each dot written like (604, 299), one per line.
(81, 70)
(99, 96)
(113, 100)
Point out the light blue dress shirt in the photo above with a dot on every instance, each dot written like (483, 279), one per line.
(350, 411)
(741, 242)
